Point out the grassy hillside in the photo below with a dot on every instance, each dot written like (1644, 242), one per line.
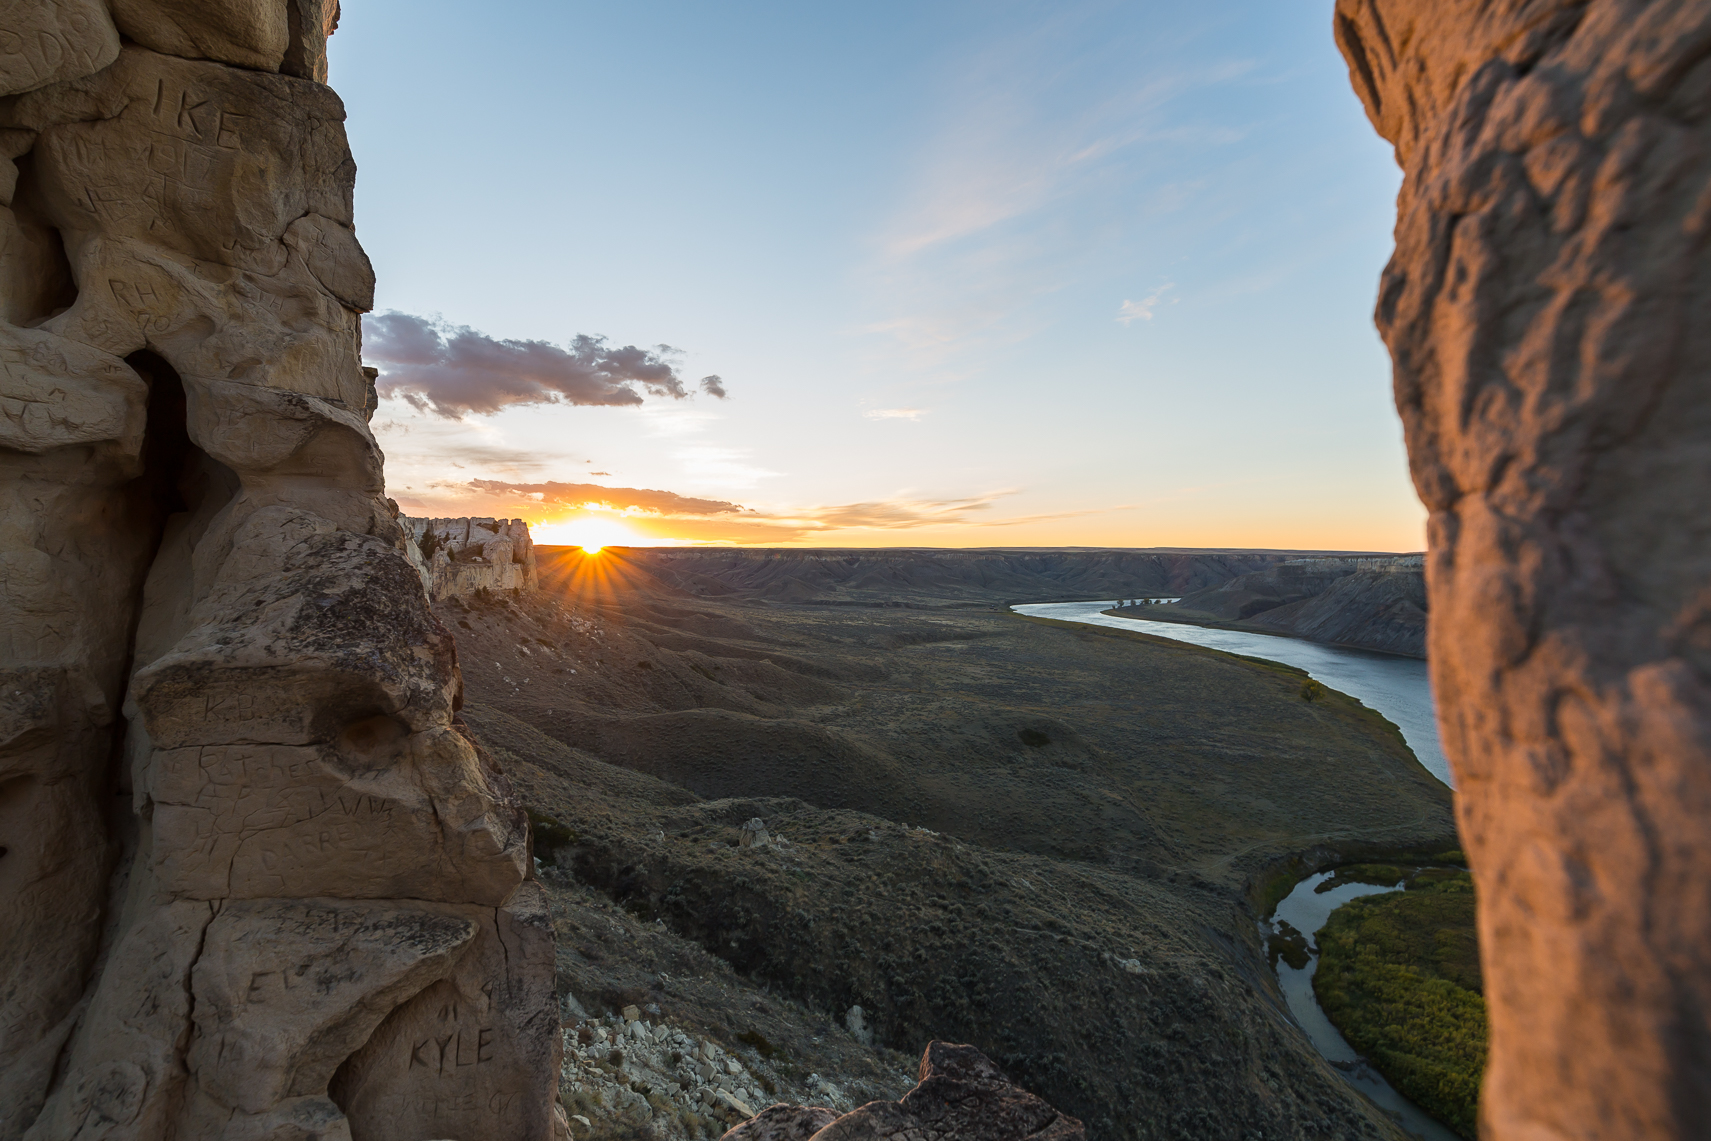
(1038, 838)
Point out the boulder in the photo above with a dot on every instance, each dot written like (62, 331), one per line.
(961, 1096)
(783, 1123)
(855, 1021)
(54, 40)
(459, 557)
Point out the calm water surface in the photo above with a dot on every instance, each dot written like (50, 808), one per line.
(1394, 686)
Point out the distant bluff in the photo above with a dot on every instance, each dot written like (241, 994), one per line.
(1369, 603)
(462, 556)
(937, 577)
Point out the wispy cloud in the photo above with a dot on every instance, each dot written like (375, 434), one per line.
(1131, 311)
(896, 413)
(453, 370)
(421, 447)
(614, 498)
(711, 466)
(677, 517)
(896, 514)
(1039, 131)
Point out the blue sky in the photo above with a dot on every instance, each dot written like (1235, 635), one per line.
(973, 274)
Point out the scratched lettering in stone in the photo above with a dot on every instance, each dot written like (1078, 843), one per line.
(230, 707)
(270, 815)
(204, 204)
(446, 1054)
(43, 643)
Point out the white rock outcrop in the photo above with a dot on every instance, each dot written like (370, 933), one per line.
(462, 556)
(629, 1071)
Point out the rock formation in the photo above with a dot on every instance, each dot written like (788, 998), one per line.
(462, 556)
(257, 882)
(1545, 311)
(962, 1097)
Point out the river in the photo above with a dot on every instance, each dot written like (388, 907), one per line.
(1306, 909)
(1395, 686)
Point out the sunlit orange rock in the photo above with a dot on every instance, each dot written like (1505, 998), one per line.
(1546, 312)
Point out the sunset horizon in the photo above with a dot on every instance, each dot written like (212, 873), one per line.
(956, 277)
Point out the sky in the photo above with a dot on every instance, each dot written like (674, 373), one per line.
(929, 274)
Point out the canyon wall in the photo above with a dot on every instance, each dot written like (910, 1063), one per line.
(1545, 310)
(257, 883)
(1370, 603)
(462, 556)
(937, 576)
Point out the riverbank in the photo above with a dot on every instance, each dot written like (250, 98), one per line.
(1300, 917)
(1394, 1004)
(1396, 687)
(1172, 612)
(1399, 976)
(1367, 603)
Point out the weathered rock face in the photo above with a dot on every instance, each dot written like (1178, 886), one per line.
(1258, 591)
(1365, 602)
(1381, 610)
(252, 871)
(962, 1097)
(462, 556)
(1545, 311)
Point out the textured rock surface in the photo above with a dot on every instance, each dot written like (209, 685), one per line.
(784, 1123)
(461, 556)
(962, 1097)
(1371, 610)
(1545, 311)
(1258, 591)
(248, 856)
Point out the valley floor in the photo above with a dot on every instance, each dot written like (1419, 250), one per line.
(1049, 842)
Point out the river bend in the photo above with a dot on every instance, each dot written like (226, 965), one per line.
(1396, 687)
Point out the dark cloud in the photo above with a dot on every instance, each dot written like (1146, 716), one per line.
(617, 498)
(713, 386)
(454, 370)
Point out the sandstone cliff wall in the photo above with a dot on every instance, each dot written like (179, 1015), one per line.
(1371, 603)
(1382, 610)
(1545, 309)
(462, 556)
(257, 884)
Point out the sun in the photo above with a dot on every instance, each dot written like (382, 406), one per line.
(593, 533)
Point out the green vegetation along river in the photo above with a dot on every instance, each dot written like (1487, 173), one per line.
(1380, 967)
(1399, 975)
